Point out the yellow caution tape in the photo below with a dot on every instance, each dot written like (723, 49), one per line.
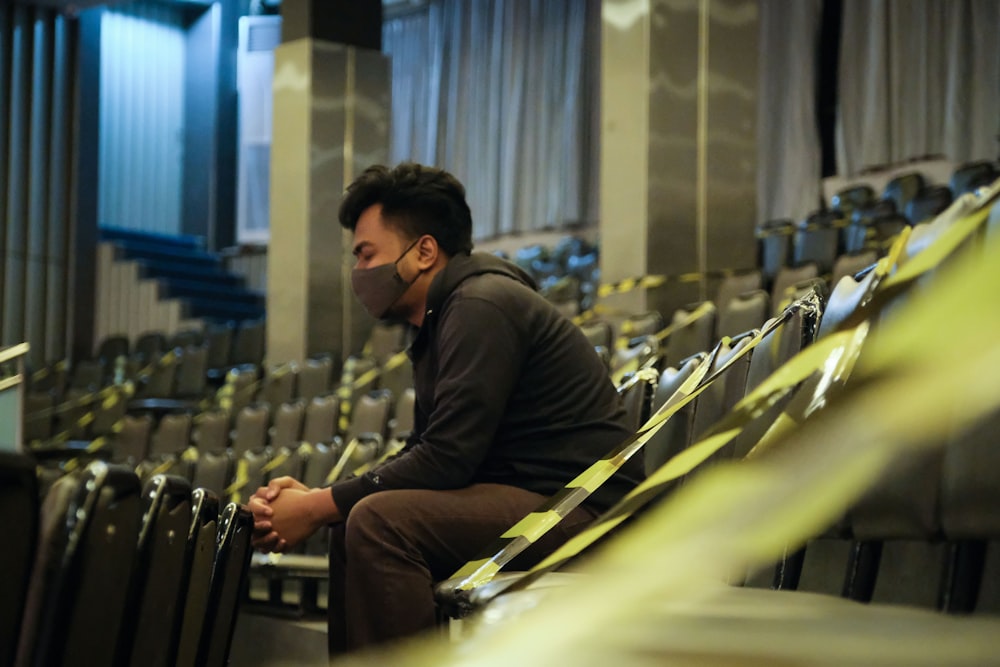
(393, 448)
(336, 471)
(240, 481)
(275, 462)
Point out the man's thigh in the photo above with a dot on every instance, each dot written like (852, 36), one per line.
(448, 528)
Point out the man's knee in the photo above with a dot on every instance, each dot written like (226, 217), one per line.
(369, 521)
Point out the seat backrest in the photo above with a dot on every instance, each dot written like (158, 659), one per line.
(844, 301)
(315, 376)
(172, 435)
(210, 431)
(19, 504)
(397, 379)
(250, 432)
(637, 396)
(886, 227)
(148, 627)
(384, 341)
(695, 336)
(185, 338)
(598, 332)
(711, 404)
(930, 201)
(248, 343)
(149, 347)
(774, 239)
(278, 385)
(287, 462)
(287, 427)
(79, 584)
(787, 278)
(849, 265)
(320, 424)
(212, 471)
(631, 359)
(816, 240)
(403, 420)
(131, 442)
(800, 328)
(88, 375)
(853, 197)
(159, 379)
(366, 448)
(640, 324)
(370, 414)
(732, 286)
(250, 474)
(243, 379)
(192, 372)
(37, 418)
(107, 413)
(858, 235)
(358, 369)
(903, 188)
(199, 555)
(674, 434)
(219, 340)
(743, 312)
(229, 572)
(971, 175)
(111, 348)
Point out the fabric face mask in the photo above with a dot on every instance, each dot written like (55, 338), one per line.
(379, 287)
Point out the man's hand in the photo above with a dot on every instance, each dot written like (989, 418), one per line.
(293, 516)
(286, 512)
(265, 538)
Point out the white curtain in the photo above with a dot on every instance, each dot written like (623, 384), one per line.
(918, 77)
(789, 154)
(504, 94)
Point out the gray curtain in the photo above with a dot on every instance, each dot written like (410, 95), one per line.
(37, 77)
(789, 153)
(502, 93)
(918, 77)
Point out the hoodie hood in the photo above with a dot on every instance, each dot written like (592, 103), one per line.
(461, 267)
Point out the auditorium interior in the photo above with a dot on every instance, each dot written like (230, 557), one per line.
(776, 221)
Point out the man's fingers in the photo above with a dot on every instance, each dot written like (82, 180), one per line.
(269, 542)
(275, 486)
(259, 507)
(262, 527)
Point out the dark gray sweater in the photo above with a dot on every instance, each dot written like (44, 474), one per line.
(508, 390)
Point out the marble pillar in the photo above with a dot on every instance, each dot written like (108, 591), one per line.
(331, 120)
(678, 145)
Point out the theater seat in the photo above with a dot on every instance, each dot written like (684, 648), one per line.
(199, 556)
(743, 312)
(228, 576)
(321, 416)
(19, 504)
(148, 634)
(78, 589)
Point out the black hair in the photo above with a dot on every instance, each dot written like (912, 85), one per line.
(416, 200)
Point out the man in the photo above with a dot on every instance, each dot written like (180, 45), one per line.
(511, 404)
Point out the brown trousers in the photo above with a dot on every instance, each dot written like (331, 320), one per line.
(395, 545)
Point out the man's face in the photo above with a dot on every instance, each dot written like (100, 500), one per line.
(376, 243)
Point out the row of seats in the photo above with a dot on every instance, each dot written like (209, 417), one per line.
(924, 535)
(119, 573)
(197, 357)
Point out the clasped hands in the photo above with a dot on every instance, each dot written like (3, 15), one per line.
(286, 512)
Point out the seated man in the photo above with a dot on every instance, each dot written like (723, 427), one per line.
(511, 404)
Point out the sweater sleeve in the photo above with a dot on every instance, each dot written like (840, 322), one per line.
(480, 354)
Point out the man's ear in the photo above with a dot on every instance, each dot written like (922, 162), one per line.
(428, 251)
